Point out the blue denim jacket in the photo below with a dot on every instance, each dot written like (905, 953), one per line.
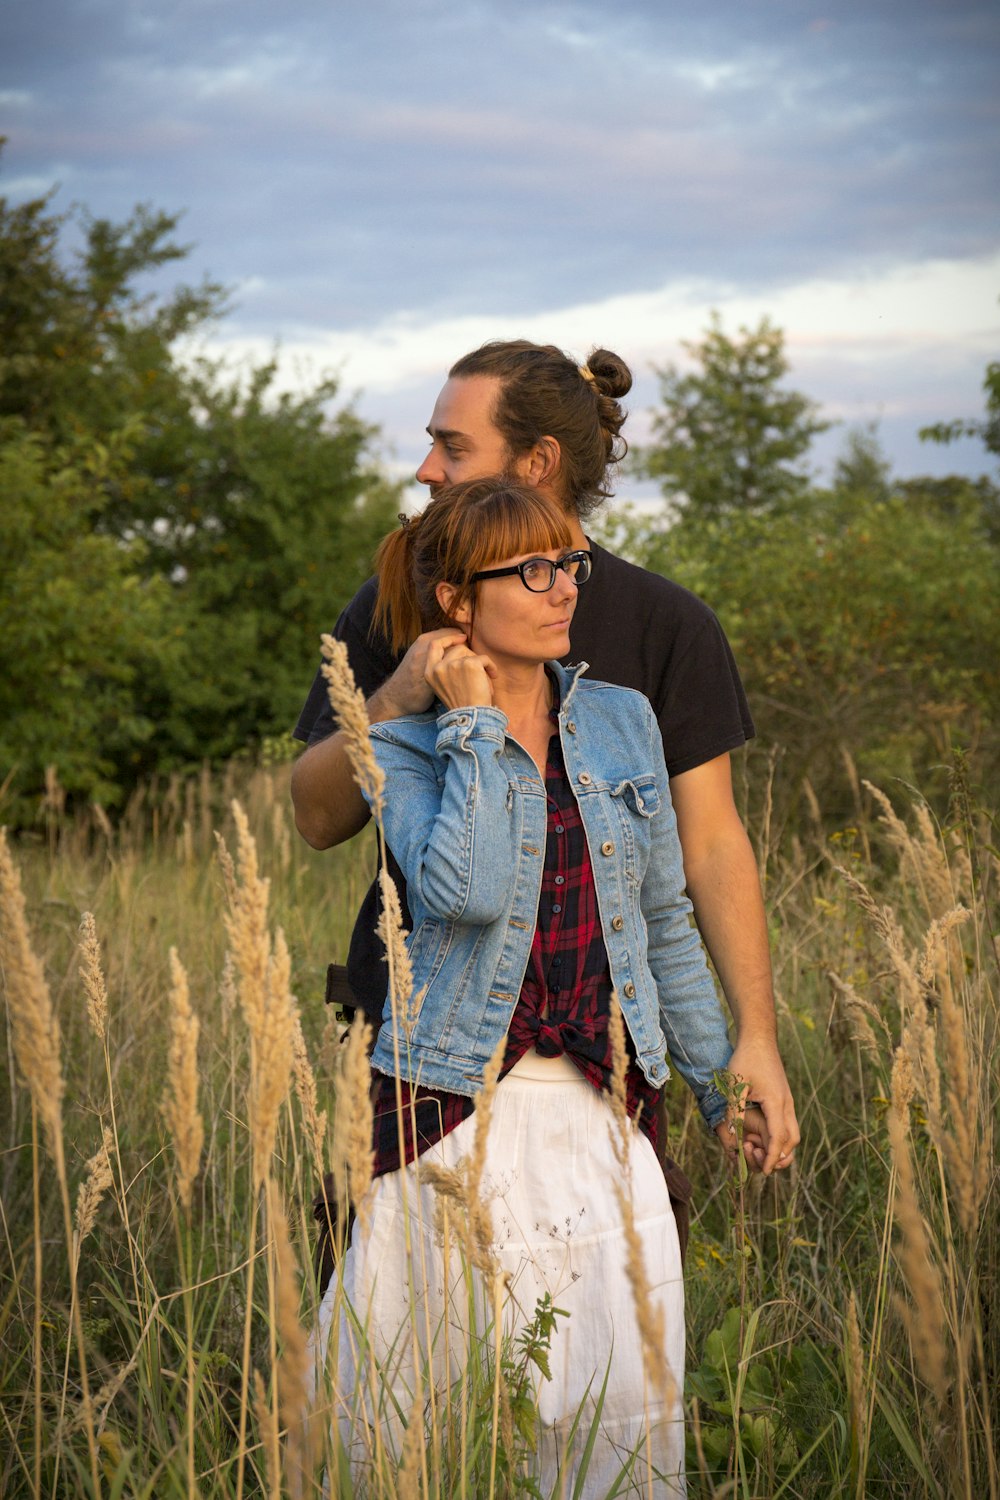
(465, 816)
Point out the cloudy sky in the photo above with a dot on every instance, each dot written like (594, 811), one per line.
(386, 183)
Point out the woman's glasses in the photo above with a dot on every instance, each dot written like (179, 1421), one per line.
(539, 574)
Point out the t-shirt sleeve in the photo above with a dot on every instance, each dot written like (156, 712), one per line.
(372, 661)
(702, 707)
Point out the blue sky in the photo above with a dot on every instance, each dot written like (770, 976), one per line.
(387, 184)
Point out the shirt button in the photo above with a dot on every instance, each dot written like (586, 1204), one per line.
(560, 828)
(629, 991)
(560, 880)
(617, 923)
(607, 847)
(584, 778)
(556, 906)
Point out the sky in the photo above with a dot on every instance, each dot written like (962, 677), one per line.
(385, 184)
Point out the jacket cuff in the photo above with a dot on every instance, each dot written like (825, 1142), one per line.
(713, 1106)
(457, 725)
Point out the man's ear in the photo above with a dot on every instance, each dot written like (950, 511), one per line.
(541, 464)
(446, 594)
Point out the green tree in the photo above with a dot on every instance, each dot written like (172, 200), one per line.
(729, 439)
(986, 428)
(245, 516)
(78, 623)
(865, 631)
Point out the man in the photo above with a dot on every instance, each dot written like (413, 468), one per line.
(529, 412)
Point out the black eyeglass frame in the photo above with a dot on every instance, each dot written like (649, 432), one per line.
(581, 556)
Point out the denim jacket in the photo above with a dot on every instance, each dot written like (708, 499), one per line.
(465, 816)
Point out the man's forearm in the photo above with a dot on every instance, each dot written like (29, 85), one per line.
(329, 807)
(725, 891)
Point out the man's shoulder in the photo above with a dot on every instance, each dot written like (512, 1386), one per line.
(638, 588)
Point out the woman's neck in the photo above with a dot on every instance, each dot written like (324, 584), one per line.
(523, 691)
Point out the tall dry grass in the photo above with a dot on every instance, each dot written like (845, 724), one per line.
(157, 1282)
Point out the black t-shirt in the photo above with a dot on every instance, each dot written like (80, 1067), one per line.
(634, 629)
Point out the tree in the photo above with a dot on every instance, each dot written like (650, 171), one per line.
(219, 525)
(865, 632)
(987, 428)
(729, 439)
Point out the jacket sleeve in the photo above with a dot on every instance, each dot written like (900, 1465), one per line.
(690, 1013)
(451, 836)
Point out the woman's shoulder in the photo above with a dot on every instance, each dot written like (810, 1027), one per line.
(414, 731)
(608, 697)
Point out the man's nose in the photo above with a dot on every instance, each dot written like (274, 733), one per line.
(430, 471)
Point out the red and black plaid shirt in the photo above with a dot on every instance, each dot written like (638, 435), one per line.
(564, 1001)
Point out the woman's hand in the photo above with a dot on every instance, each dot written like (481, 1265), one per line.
(756, 1139)
(460, 677)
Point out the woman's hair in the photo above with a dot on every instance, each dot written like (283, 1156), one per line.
(465, 528)
(546, 393)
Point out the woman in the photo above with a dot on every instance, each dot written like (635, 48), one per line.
(531, 815)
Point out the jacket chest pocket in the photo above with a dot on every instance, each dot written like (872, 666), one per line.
(637, 801)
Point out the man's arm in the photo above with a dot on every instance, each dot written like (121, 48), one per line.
(329, 807)
(724, 888)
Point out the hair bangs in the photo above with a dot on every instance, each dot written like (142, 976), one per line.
(505, 523)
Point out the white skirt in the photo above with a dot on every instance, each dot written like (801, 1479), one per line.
(549, 1182)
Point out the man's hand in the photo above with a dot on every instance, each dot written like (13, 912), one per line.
(408, 691)
(329, 807)
(757, 1064)
(754, 1138)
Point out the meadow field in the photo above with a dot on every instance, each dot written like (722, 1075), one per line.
(170, 1103)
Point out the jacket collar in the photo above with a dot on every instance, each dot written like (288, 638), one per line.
(567, 678)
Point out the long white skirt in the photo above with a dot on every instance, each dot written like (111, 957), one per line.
(549, 1182)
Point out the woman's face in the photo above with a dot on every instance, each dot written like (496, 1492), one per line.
(512, 624)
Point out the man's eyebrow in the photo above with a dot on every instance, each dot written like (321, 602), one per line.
(448, 434)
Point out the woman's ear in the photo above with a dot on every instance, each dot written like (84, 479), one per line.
(446, 594)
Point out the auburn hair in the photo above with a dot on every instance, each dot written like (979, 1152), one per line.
(465, 528)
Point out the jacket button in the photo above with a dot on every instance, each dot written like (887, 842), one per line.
(571, 726)
(607, 847)
(617, 923)
(629, 991)
(584, 778)
(463, 718)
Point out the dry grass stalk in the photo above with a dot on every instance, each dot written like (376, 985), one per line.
(294, 1367)
(272, 1070)
(267, 1430)
(349, 706)
(93, 977)
(461, 1186)
(354, 1122)
(393, 935)
(409, 1476)
(228, 997)
(180, 1100)
(856, 1375)
(903, 1086)
(860, 1014)
(228, 869)
(99, 1177)
(34, 1027)
(924, 1313)
(313, 1117)
(649, 1315)
(246, 925)
(264, 989)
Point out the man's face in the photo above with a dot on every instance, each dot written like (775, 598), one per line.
(464, 442)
